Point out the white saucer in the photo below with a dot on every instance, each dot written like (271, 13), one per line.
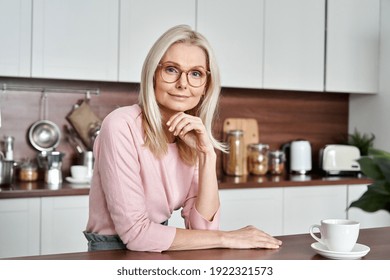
(358, 251)
(78, 181)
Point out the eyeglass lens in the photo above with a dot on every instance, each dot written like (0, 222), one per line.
(196, 77)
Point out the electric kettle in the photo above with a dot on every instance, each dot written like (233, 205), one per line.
(299, 156)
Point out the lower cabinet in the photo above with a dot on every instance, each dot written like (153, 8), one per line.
(379, 218)
(63, 220)
(47, 225)
(282, 210)
(305, 206)
(260, 207)
(19, 227)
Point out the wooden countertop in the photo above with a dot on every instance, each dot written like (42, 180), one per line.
(295, 247)
(39, 189)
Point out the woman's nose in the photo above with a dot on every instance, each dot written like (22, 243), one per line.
(183, 82)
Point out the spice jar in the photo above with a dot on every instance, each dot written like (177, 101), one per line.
(28, 172)
(277, 160)
(234, 161)
(258, 159)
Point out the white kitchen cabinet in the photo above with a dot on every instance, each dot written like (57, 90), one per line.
(63, 221)
(304, 206)
(235, 31)
(379, 218)
(19, 227)
(141, 24)
(75, 39)
(352, 56)
(294, 44)
(260, 207)
(15, 30)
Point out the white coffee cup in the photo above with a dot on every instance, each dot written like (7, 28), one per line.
(338, 235)
(79, 172)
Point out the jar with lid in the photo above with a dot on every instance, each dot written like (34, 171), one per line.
(258, 159)
(28, 172)
(234, 161)
(277, 162)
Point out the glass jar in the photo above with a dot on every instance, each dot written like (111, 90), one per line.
(258, 159)
(234, 161)
(277, 162)
(28, 172)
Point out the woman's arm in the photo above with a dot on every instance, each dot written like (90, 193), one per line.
(207, 201)
(245, 238)
(191, 130)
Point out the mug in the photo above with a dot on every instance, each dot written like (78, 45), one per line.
(339, 235)
(79, 172)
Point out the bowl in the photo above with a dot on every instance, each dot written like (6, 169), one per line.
(44, 135)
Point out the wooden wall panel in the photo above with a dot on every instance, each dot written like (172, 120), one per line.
(321, 118)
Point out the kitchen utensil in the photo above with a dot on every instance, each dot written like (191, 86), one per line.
(300, 156)
(44, 135)
(299, 159)
(248, 125)
(9, 147)
(250, 130)
(82, 118)
(87, 160)
(7, 171)
(73, 139)
(338, 159)
(93, 132)
(51, 162)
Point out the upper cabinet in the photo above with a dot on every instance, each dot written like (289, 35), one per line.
(352, 56)
(294, 42)
(307, 45)
(235, 31)
(15, 46)
(141, 23)
(75, 39)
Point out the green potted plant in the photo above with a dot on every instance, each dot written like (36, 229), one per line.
(362, 141)
(376, 166)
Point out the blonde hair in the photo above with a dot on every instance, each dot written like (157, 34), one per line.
(155, 138)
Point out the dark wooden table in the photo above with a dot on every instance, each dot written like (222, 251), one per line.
(295, 247)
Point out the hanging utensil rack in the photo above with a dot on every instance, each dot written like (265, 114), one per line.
(87, 92)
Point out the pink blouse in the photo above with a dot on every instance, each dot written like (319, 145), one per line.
(133, 192)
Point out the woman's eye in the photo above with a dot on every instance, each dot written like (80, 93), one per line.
(171, 70)
(196, 74)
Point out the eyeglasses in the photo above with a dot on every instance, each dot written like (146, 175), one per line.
(171, 73)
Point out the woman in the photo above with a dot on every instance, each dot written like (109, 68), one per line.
(158, 156)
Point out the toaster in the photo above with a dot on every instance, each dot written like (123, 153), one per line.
(339, 159)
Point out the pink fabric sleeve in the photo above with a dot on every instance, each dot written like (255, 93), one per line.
(119, 172)
(193, 219)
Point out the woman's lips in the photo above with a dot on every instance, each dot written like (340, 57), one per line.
(178, 96)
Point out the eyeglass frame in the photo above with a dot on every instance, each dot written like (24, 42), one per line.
(160, 65)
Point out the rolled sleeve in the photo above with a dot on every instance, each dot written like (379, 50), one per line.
(196, 221)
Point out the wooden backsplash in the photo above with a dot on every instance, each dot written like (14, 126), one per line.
(321, 118)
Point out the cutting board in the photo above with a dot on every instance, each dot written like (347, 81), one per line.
(250, 128)
(82, 118)
(248, 125)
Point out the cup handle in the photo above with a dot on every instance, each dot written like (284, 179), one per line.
(315, 236)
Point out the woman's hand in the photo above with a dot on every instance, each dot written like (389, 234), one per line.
(249, 237)
(191, 130)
